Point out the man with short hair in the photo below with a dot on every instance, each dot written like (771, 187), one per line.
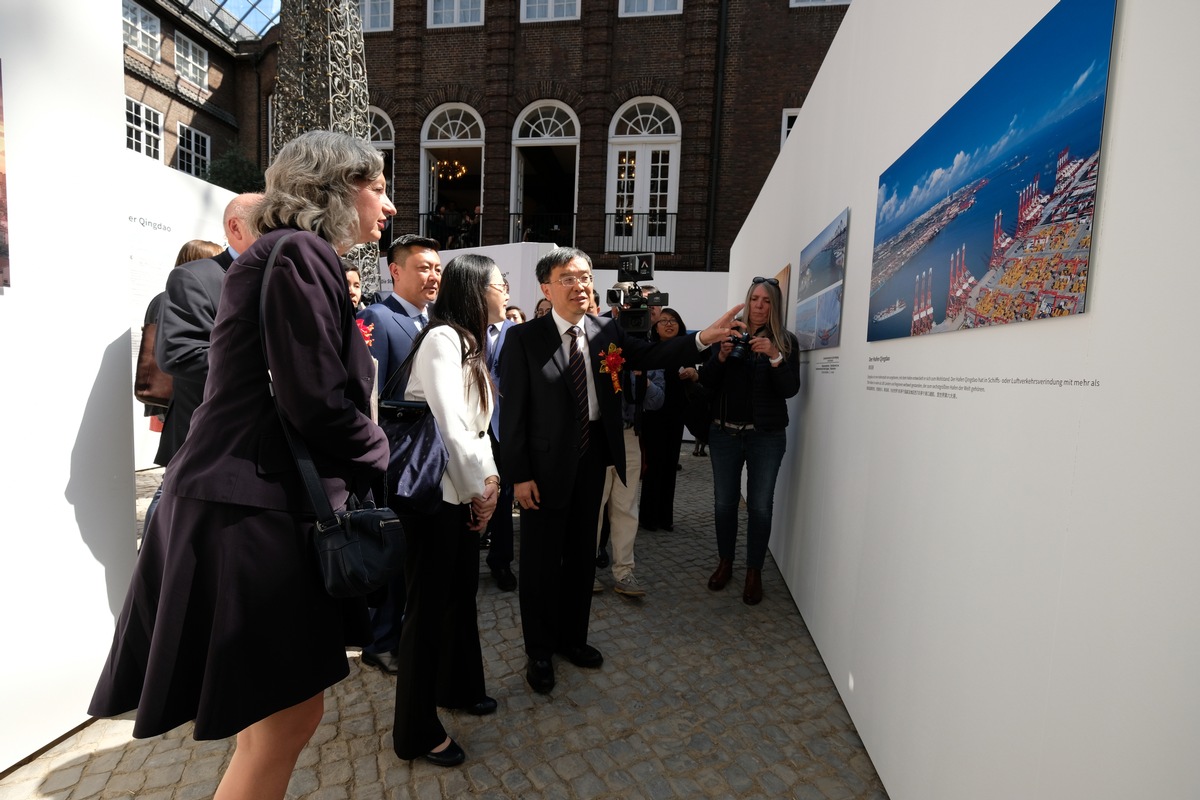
(655, 304)
(186, 315)
(500, 526)
(560, 427)
(394, 324)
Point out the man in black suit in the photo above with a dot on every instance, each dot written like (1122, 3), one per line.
(395, 322)
(560, 427)
(185, 322)
(500, 526)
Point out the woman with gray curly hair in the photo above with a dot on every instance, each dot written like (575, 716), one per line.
(226, 569)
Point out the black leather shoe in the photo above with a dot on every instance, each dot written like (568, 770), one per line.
(385, 662)
(505, 580)
(583, 656)
(452, 756)
(540, 674)
(484, 707)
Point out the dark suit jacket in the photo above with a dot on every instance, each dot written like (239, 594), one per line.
(392, 340)
(493, 363)
(185, 323)
(539, 431)
(322, 372)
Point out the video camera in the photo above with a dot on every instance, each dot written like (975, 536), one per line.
(634, 316)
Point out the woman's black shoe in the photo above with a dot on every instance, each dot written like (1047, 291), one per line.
(452, 756)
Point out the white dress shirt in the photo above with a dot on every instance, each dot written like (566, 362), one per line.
(581, 342)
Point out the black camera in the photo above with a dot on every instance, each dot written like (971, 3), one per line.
(631, 310)
(741, 345)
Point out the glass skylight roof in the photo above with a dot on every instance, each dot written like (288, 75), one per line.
(235, 20)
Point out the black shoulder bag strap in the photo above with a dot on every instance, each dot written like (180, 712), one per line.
(326, 519)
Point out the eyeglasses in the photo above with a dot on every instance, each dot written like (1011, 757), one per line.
(668, 321)
(772, 281)
(503, 286)
(571, 281)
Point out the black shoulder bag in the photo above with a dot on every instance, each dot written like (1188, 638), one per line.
(361, 548)
(418, 457)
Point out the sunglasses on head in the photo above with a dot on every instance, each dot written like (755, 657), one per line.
(772, 281)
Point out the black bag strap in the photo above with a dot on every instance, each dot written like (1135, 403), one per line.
(326, 519)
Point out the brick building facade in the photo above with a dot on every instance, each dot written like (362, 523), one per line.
(187, 89)
(614, 127)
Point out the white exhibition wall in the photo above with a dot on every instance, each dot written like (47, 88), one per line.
(87, 219)
(170, 208)
(1002, 584)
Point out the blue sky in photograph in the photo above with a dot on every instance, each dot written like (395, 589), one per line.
(1057, 68)
(824, 237)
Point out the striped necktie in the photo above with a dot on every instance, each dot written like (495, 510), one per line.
(578, 372)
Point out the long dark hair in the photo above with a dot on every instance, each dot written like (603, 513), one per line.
(462, 304)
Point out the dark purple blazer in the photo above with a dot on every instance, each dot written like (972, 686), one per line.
(539, 433)
(236, 451)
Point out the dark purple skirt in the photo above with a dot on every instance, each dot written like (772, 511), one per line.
(226, 622)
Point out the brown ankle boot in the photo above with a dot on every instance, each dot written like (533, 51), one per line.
(752, 594)
(722, 575)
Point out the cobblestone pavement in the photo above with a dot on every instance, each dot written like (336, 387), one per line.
(700, 696)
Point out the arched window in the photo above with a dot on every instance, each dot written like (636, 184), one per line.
(383, 133)
(643, 177)
(453, 122)
(549, 120)
(452, 159)
(545, 167)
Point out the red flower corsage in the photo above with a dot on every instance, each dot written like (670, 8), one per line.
(365, 330)
(611, 363)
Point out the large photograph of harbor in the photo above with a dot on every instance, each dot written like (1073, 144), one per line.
(819, 285)
(987, 218)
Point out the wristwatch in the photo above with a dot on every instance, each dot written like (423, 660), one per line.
(776, 361)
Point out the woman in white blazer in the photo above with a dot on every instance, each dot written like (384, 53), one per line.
(441, 663)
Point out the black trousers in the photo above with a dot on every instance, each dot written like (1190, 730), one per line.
(558, 559)
(500, 526)
(441, 663)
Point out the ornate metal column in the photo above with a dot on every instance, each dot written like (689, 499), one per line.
(322, 85)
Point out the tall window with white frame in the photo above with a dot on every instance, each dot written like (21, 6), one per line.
(140, 29)
(376, 15)
(643, 185)
(191, 61)
(452, 141)
(383, 139)
(646, 8)
(790, 115)
(543, 10)
(193, 152)
(451, 13)
(143, 129)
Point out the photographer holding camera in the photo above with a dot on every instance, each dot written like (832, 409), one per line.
(751, 376)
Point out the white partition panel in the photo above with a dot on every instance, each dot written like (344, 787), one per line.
(80, 213)
(1002, 584)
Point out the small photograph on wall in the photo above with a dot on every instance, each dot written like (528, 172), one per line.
(987, 218)
(819, 283)
(4, 265)
(784, 276)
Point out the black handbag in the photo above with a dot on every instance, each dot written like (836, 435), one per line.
(418, 456)
(359, 549)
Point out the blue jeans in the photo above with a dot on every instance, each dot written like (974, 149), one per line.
(761, 452)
